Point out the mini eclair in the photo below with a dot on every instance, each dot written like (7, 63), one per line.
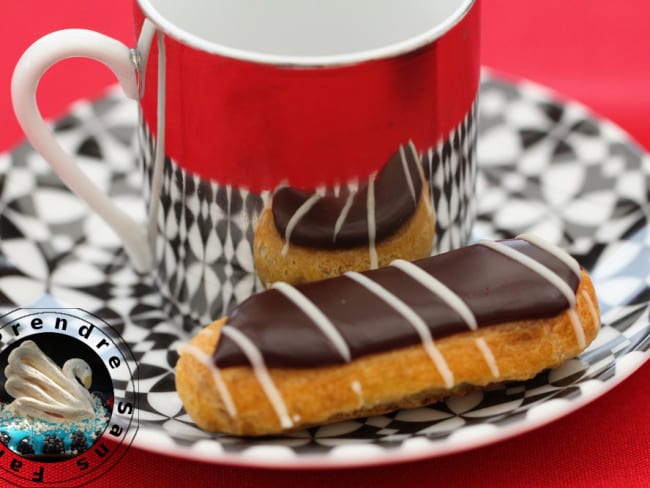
(307, 236)
(402, 336)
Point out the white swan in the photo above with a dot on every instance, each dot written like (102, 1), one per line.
(43, 390)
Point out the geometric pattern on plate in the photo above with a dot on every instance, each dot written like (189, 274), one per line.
(546, 167)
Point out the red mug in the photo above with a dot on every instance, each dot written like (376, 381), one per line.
(237, 97)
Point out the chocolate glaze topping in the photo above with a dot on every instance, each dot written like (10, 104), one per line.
(495, 287)
(394, 203)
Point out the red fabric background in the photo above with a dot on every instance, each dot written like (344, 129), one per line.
(592, 50)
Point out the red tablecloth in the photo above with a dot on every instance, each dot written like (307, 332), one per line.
(595, 51)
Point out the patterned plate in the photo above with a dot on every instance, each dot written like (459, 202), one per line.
(547, 167)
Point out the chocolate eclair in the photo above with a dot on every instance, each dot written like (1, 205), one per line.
(405, 335)
(306, 236)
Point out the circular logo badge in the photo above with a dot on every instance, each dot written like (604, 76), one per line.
(68, 409)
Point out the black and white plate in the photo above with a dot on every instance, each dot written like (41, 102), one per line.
(546, 167)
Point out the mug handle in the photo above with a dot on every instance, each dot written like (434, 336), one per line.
(36, 60)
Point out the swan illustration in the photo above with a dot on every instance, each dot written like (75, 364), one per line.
(43, 390)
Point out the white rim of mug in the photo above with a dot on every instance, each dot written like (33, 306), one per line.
(388, 51)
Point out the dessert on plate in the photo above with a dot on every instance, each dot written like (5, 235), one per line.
(307, 236)
(405, 335)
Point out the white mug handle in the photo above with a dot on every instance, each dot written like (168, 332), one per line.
(30, 68)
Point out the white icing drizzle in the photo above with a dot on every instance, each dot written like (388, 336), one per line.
(295, 218)
(407, 175)
(418, 159)
(353, 188)
(592, 309)
(343, 215)
(533, 265)
(372, 228)
(554, 250)
(316, 316)
(206, 360)
(547, 274)
(489, 357)
(439, 289)
(353, 185)
(415, 320)
(577, 328)
(416, 156)
(261, 373)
